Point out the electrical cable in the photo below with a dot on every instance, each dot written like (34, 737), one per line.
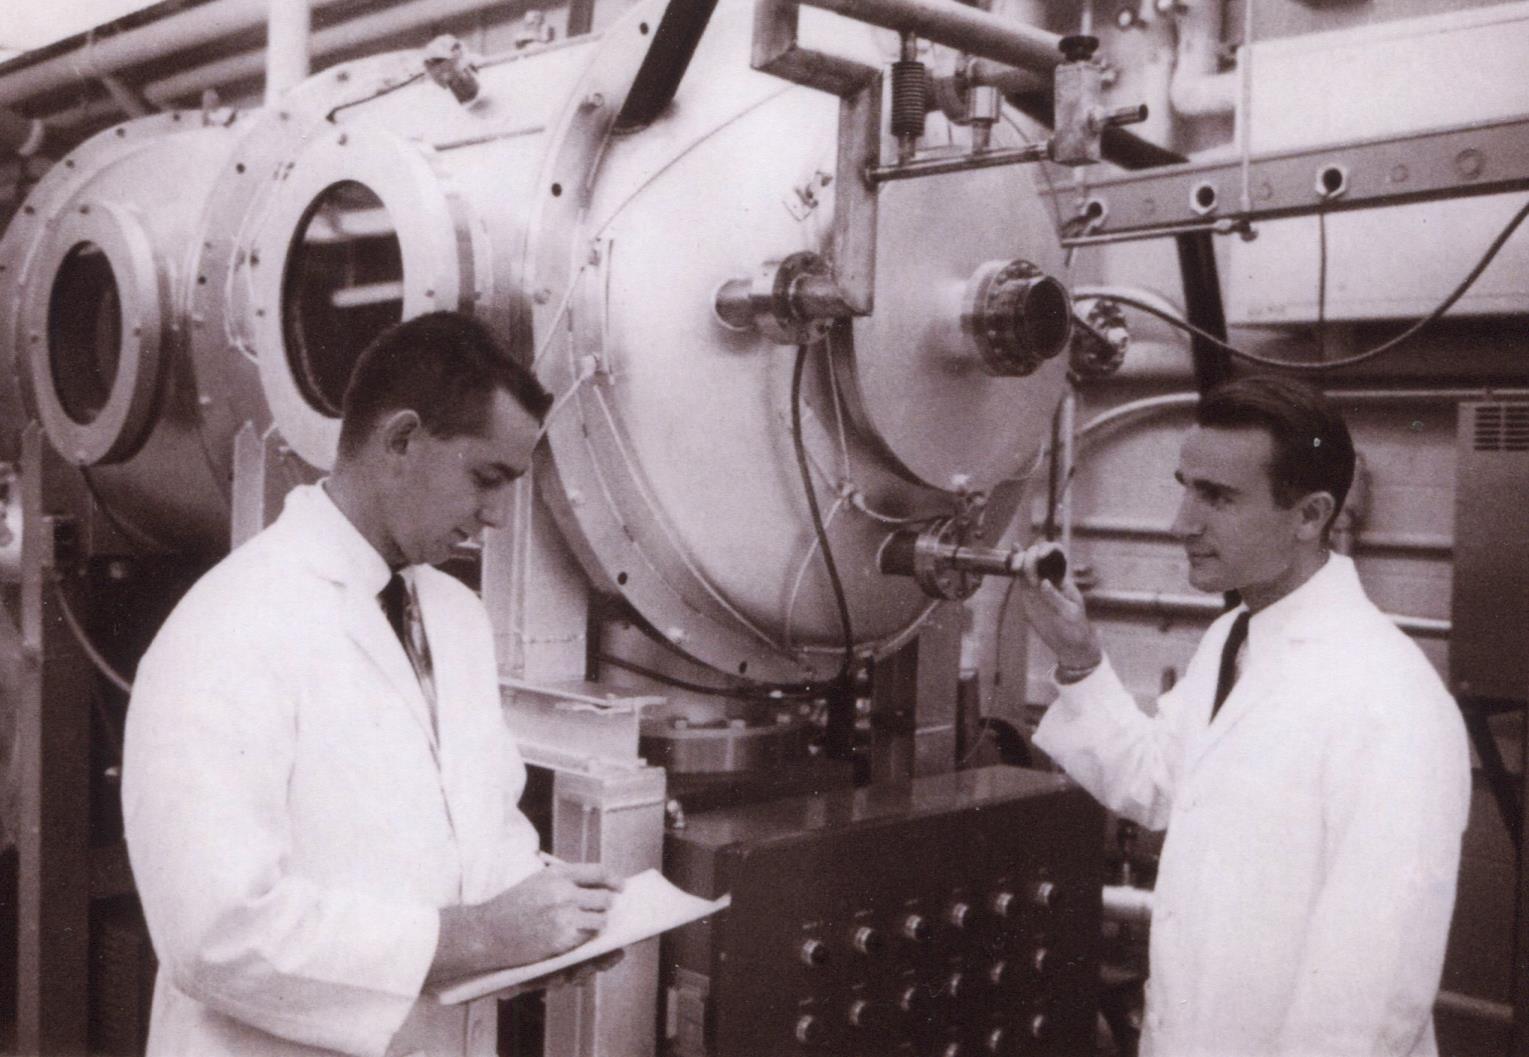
(101, 663)
(1358, 357)
(754, 692)
(384, 90)
(1322, 283)
(817, 514)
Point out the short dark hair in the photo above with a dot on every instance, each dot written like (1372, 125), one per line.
(1313, 451)
(444, 366)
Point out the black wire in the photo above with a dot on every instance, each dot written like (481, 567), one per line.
(1358, 357)
(385, 90)
(1322, 283)
(817, 515)
(755, 692)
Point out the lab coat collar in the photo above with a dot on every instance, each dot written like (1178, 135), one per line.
(1307, 613)
(335, 549)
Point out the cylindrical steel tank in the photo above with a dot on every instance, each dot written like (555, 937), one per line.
(286, 238)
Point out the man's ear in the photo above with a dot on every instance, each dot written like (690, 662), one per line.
(1315, 509)
(398, 430)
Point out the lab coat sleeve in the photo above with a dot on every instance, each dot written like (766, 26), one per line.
(1112, 748)
(1396, 795)
(207, 760)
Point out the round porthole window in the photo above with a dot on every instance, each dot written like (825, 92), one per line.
(93, 323)
(343, 286)
(84, 332)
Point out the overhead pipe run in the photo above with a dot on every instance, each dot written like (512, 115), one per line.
(345, 36)
(288, 27)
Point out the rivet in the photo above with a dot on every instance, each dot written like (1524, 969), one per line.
(1470, 163)
(542, 296)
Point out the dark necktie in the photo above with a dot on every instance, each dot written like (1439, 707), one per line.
(1227, 676)
(394, 598)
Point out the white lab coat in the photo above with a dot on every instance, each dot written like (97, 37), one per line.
(1308, 876)
(293, 821)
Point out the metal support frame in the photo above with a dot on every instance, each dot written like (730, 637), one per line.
(1521, 939)
(913, 703)
(1478, 159)
(611, 814)
(54, 754)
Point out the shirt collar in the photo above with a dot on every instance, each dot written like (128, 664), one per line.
(337, 547)
(1324, 595)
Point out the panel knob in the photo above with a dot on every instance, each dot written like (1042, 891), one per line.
(1041, 960)
(1001, 904)
(1039, 1026)
(810, 1030)
(862, 1014)
(814, 953)
(996, 1041)
(916, 927)
(1043, 895)
(913, 1001)
(868, 941)
(959, 915)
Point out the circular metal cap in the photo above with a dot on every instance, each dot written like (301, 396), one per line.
(1018, 317)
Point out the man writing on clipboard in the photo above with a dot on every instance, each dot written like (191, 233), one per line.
(319, 788)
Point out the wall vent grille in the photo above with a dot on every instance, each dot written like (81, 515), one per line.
(1501, 427)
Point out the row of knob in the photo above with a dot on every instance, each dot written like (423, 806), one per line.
(813, 1031)
(870, 941)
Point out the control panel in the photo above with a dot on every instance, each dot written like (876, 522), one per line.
(954, 916)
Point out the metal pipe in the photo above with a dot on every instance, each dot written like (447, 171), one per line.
(344, 36)
(1007, 79)
(1127, 903)
(191, 28)
(1197, 89)
(987, 159)
(1159, 603)
(955, 25)
(19, 135)
(1416, 543)
(1360, 396)
(286, 47)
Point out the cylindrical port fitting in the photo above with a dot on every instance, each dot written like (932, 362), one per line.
(1017, 316)
(947, 569)
(448, 64)
(1099, 341)
(790, 301)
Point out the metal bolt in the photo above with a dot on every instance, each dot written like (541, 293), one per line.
(592, 101)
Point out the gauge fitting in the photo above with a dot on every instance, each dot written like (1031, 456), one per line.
(1017, 316)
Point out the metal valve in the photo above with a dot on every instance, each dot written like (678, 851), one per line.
(1081, 117)
(790, 301)
(449, 65)
(947, 568)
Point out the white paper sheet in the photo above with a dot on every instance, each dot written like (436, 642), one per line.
(647, 905)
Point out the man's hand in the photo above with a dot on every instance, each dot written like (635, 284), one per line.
(550, 912)
(1059, 618)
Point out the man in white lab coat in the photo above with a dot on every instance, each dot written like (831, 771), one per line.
(320, 797)
(1313, 778)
